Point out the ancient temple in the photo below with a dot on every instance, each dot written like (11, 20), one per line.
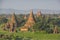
(25, 17)
(38, 13)
(29, 22)
(55, 30)
(12, 23)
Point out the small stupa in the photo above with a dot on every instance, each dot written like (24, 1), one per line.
(38, 13)
(12, 23)
(55, 30)
(25, 17)
(29, 22)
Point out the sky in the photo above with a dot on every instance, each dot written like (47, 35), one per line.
(30, 4)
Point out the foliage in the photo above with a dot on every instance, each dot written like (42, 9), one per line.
(43, 29)
(30, 36)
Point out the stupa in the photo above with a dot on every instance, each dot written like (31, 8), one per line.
(38, 13)
(55, 30)
(12, 23)
(29, 22)
(25, 17)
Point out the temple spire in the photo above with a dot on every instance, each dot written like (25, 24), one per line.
(25, 17)
(12, 23)
(13, 17)
(38, 13)
(31, 12)
(55, 30)
(29, 22)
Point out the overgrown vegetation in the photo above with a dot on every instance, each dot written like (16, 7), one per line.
(43, 29)
(29, 36)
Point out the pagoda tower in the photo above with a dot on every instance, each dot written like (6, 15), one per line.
(12, 23)
(38, 13)
(25, 17)
(55, 30)
(29, 22)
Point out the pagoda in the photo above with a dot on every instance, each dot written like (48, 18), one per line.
(29, 22)
(12, 23)
(55, 30)
(38, 13)
(25, 17)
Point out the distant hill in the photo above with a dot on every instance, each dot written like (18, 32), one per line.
(44, 11)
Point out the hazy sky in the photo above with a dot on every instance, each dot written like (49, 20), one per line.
(30, 4)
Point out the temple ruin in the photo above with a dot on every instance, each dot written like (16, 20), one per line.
(11, 24)
(38, 13)
(29, 22)
(55, 30)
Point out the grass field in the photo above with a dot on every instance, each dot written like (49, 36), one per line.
(32, 36)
